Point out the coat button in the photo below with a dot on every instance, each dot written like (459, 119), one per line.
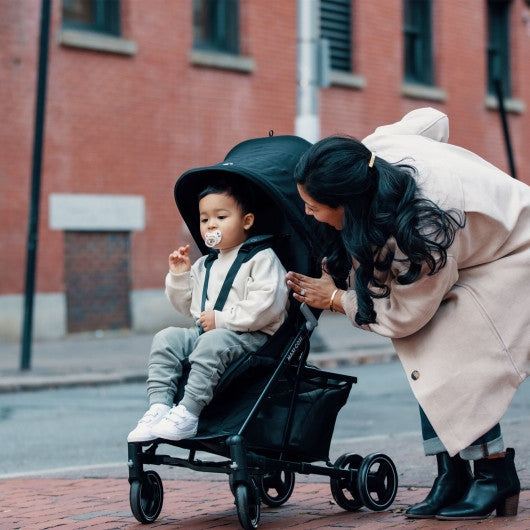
(415, 375)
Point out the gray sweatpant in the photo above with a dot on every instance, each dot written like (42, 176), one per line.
(209, 355)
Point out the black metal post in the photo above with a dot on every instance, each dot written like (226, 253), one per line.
(504, 120)
(33, 224)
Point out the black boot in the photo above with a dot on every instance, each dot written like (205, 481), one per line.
(496, 486)
(453, 480)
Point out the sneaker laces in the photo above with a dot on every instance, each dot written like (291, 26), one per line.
(178, 411)
(150, 415)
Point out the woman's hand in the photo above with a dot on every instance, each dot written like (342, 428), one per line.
(315, 292)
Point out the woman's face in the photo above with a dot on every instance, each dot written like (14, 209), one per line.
(321, 212)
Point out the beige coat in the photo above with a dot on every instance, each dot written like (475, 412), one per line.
(463, 334)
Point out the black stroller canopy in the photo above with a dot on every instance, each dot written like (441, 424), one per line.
(268, 165)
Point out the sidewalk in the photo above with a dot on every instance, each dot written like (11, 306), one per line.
(116, 357)
(207, 504)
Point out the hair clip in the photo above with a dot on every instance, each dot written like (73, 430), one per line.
(372, 160)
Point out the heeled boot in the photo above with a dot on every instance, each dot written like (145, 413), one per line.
(453, 480)
(496, 486)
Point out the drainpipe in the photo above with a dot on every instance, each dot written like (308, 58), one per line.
(307, 122)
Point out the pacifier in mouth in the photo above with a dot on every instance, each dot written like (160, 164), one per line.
(212, 238)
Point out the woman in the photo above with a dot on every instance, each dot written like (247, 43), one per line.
(436, 244)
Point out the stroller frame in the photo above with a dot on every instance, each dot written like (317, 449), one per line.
(260, 460)
(254, 478)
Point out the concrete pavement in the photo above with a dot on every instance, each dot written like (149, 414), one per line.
(195, 500)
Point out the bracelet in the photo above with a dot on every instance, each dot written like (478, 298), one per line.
(331, 300)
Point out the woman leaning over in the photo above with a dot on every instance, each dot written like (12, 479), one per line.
(435, 243)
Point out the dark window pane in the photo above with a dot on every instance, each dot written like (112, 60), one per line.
(335, 26)
(418, 41)
(78, 12)
(499, 46)
(216, 25)
(102, 16)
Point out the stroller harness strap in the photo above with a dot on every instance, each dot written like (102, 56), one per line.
(250, 248)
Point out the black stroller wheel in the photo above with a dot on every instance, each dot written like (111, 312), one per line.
(248, 506)
(345, 491)
(146, 497)
(282, 482)
(377, 481)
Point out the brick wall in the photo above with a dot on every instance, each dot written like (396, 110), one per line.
(131, 124)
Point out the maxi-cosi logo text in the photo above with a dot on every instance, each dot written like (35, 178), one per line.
(295, 348)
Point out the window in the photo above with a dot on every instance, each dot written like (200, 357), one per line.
(418, 41)
(335, 26)
(216, 26)
(101, 16)
(499, 46)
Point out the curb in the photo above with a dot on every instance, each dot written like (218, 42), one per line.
(325, 360)
(41, 382)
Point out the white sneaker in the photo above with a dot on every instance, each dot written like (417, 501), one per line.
(177, 424)
(142, 432)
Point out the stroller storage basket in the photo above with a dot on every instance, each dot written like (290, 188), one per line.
(297, 419)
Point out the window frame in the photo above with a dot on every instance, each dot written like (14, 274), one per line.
(219, 31)
(498, 51)
(105, 18)
(418, 67)
(338, 33)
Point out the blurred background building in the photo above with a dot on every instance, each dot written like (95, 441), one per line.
(140, 91)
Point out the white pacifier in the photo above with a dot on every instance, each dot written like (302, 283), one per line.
(212, 238)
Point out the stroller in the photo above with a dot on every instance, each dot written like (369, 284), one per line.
(272, 414)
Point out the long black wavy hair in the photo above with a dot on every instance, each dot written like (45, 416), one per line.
(380, 202)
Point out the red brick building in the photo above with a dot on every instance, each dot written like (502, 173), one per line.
(138, 92)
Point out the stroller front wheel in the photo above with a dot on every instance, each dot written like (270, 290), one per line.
(248, 506)
(146, 497)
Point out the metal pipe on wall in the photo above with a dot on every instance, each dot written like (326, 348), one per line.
(307, 123)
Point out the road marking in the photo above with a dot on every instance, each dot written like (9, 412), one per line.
(373, 438)
(40, 472)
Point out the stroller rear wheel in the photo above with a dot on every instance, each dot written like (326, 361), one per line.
(345, 491)
(248, 505)
(377, 481)
(282, 482)
(146, 497)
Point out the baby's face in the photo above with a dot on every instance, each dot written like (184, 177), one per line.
(220, 212)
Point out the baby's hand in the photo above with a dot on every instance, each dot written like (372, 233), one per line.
(207, 320)
(179, 260)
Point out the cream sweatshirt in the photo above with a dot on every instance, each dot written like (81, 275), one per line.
(257, 301)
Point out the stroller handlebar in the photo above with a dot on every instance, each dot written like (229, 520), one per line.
(311, 321)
